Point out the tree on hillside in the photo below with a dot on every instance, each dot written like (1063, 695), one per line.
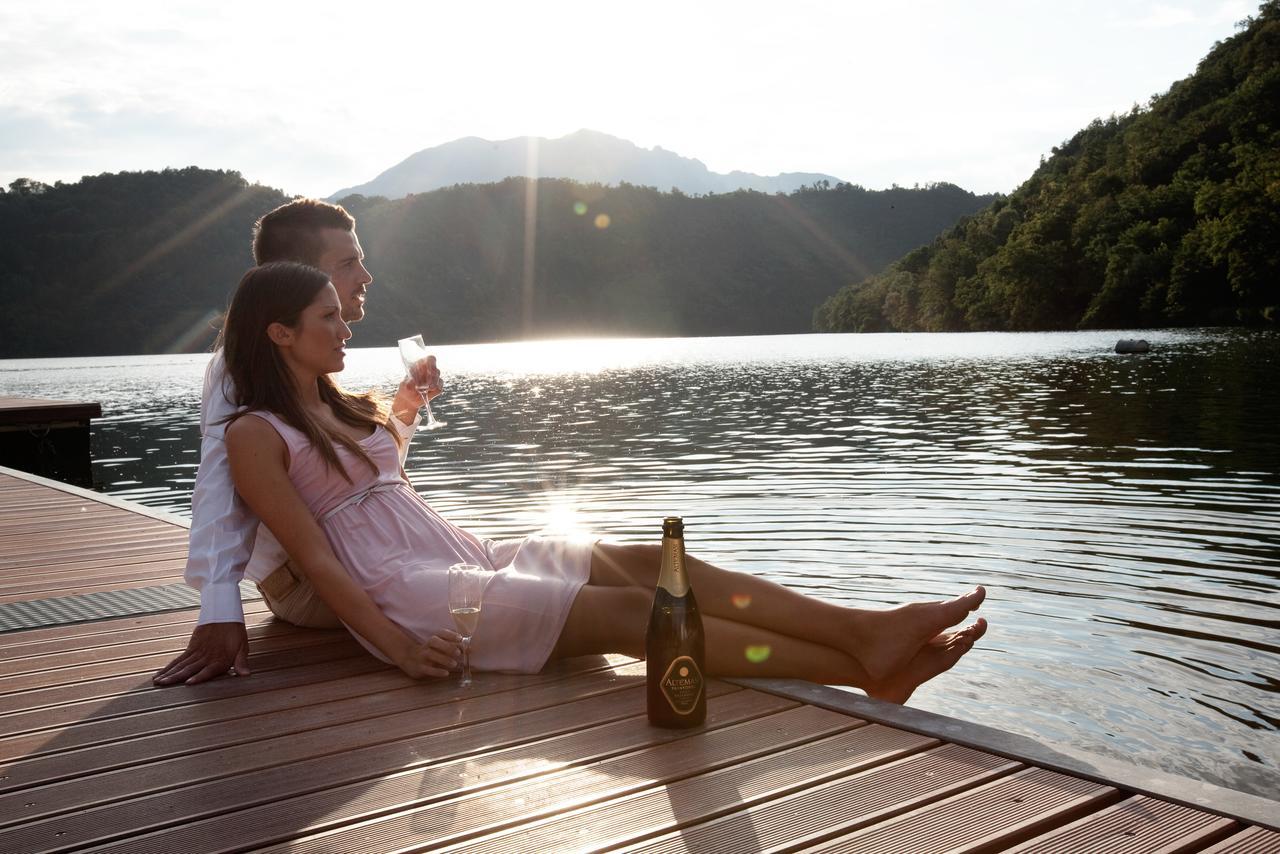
(1169, 214)
(144, 262)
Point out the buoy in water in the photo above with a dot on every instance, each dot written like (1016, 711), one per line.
(1133, 345)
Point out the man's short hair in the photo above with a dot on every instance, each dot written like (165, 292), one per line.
(291, 232)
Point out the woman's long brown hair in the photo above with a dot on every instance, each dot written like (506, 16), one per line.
(277, 293)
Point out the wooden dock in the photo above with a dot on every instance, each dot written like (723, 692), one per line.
(47, 437)
(324, 749)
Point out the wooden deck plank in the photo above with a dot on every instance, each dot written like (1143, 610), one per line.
(53, 551)
(152, 572)
(550, 740)
(132, 582)
(88, 556)
(837, 807)
(74, 534)
(138, 680)
(677, 754)
(1136, 825)
(132, 578)
(268, 715)
(383, 765)
(1255, 840)
(73, 673)
(38, 517)
(708, 794)
(326, 748)
(169, 644)
(112, 730)
(452, 707)
(136, 695)
(90, 567)
(58, 541)
(989, 818)
(31, 410)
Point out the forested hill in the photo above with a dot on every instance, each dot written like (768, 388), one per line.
(145, 262)
(1169, 215)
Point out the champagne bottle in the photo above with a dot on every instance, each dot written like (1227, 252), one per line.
(674, 644)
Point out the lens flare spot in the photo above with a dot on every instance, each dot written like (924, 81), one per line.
(602, 221)
(741, 601)
(580, 208)
(759, 654)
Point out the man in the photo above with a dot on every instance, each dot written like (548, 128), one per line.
(227, 542)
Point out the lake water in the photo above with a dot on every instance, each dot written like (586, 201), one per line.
(1122, 510)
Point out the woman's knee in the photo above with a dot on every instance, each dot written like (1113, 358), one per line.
(606, 619)
(625, 565)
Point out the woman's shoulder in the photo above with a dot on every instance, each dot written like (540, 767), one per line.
(256, 427)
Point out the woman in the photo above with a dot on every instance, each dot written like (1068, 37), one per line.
(320, 467)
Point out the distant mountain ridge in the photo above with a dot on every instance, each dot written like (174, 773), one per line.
(144, 262)
(586, 156)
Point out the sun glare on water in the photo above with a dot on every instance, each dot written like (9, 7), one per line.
(555, 514)
(556, 357)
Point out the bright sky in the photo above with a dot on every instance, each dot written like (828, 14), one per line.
(313, 96)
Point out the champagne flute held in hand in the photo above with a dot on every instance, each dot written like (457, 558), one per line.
(412, 351)
(466, 593)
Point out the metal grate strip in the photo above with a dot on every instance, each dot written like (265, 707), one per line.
(64, 610)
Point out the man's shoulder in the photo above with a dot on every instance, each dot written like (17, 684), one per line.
(217, 400)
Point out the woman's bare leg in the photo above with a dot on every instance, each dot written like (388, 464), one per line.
(882, 641)
(614, 619)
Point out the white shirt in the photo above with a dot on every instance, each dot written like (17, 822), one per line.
(227, 541)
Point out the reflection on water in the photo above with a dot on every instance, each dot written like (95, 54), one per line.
(1122, 510)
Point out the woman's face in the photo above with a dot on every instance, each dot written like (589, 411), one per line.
(318, 343)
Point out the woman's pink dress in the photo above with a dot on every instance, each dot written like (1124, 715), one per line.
(399, 550)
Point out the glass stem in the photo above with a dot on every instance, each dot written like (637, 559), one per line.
(426, 404)
(466, 661)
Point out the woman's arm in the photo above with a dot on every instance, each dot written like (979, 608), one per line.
(259, 469)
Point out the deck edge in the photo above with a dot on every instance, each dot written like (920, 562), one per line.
(1198, 794)
(111, 501)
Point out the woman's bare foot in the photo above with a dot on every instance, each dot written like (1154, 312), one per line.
(884, 642)
(935, 657)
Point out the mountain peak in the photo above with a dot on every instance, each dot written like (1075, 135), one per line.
(586, 155)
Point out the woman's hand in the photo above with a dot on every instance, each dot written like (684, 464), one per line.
(438, 657)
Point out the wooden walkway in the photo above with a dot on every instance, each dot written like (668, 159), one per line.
(24, 410)
(324, 749)
(47, 437)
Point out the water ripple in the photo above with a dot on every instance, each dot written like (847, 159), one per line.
(1122, 510)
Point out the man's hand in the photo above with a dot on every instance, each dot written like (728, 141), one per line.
(438, 657)
(409, 397)
(214, 650)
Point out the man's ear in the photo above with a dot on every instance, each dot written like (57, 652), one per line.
(279, 334)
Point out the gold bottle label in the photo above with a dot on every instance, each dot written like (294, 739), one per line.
(682, 684)
(672, 575)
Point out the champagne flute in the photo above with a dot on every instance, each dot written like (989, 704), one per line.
(412, 351)
(466, 593)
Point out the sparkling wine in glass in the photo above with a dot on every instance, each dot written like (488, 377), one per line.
(466, 594)
(412, 351)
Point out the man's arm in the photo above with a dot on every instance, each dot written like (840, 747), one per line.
(407, 404)
(221, 539)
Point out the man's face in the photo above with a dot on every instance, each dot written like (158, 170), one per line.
(343, 260)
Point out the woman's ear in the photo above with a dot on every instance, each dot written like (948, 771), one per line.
(280, 334)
